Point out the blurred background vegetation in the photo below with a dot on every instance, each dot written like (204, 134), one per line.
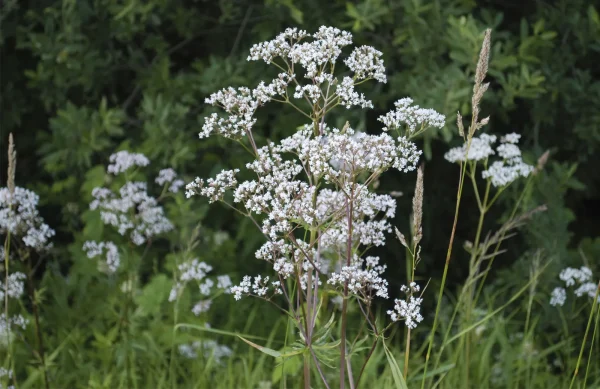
(81, 79)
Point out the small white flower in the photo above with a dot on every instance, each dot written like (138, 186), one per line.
(133, 211)
(165, 176)
(559, 296)
(480, 149)
(19, 216)
(411, 117)
(95, 249)
(15, 286)
(201, 307)
(124, 160)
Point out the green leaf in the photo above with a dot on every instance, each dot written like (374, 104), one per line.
(396, 373)
(263, 349)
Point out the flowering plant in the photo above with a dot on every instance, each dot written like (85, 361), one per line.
(312, 194)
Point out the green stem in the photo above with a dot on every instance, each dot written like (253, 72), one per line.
(497, 248)
(446, 266)
(587, 368)
(472, 273)
(587, 329)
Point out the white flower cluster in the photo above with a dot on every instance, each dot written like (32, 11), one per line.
(370, 215)
(14, 287)
(133, 209)
(411, 117)
(501, 173)
(362, 282)
(197, 271)
(20, 217)
(316, 54)
(239, 104)
(208, 347)
(122, 161)
(580, 278)
(107, 249)
(409, 309)
(6, 324)
(11, 288)
(168, 175)
(260, 287)
(5, 373)
(349, 97)
(480, 149)
(201, 307)
(215, 187)
(193, 270)
(366, 62)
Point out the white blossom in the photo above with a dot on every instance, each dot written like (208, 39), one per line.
(260, 286)
(209, 349)
(571, 275)
(133, 210)
(95, 249)
(14, 287)
(7, 324)
(559, 296)
(480, 149)
(409, 309)
(580, 279)
(224, 282)
(215, 188)
(201, 307)
(165, 176)
(411, 117)
(366, 62)
(362, 281)
(278, 47)
(503, 173)
(511, 138)
(19, 216)
(349, 97)
(122, 161)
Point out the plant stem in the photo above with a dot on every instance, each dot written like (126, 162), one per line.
(587, 329)
(345, 303)
(36, 316)
(472, 273)
(446, 266)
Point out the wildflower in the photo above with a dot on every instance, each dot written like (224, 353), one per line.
(19, 216)
(124, 160)
(14, 287)
(411, 116)
(571, 275)
(349, 97)
(259, 287)
(502, 173)
(580, 278)
(6, 325)
(215, 187)
(480, 149)
(133, 210)
(209, 348)
(362, 281)
(408, 310)
(94, 249)
(366, 62)
(559, 296)
(201, 306)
